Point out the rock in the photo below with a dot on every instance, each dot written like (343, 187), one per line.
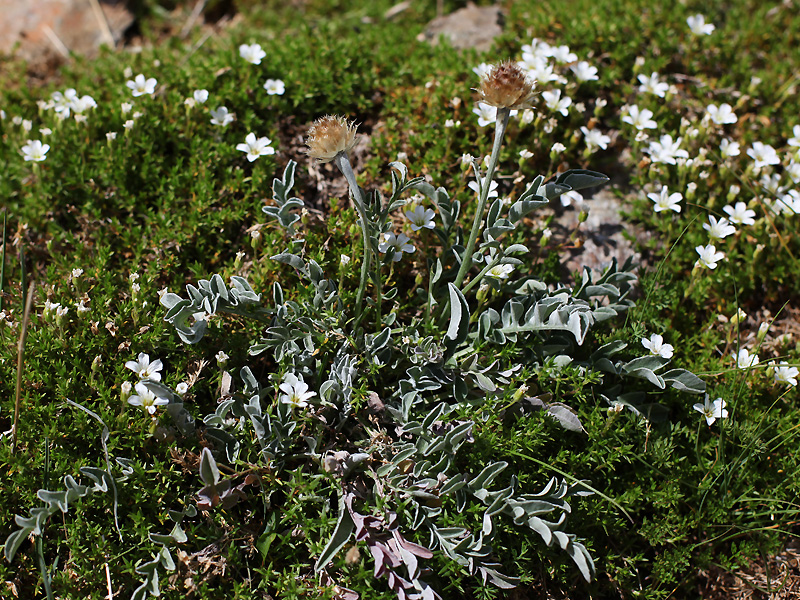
(469, 27)
(36, 29)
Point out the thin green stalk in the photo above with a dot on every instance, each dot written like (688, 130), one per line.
(343, 163)
(499, 131)
(3, 259)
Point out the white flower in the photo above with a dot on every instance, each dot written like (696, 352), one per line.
(538, 48)
(82, 104)
(763, 155)
(111, 136)
(744, 360)
(420, 218)
(499, 271)
(200, 96)
(274, 87)
(558, 148)
(146, 399)
(728, 148)
(795, 139)
(400, 243)
(473, 185)
(295, 391)
(539, 69)
(657, 346)
(698, 26)
(140, 86)
(482, 70)
(125, 108)
(556, 103)
(487, 114)
(665, 150)
(772, 183)
(709, 257)
(740, 214)
(785, 374)
(144, 368)
(222, 358)
(653, 85)
(128, 124)
(252, 53)
(793, 171)
(584, 71)
(570, 196)
(525, 154)
(255, 147)
(640, 119)
(81, 307)
(62, 103)
(562, 54)
(723, 115)
(45, 131)
(221, 117)
(182, 388)
(125, 390)
(77, 272)
(594, 138)
(35, 150)
(344, 260)
(718, 230)
(666, 201)
(712, 412)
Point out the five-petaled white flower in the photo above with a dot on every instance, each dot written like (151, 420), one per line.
(653, 85)
(666, 201)
(144, 368)
(274, 87)
(745, 360)
(740, 214)
(763, 155)
(640, 119)
(665, 150)
(82, 104)
(252, 53)
(487, 114)
(728, 148)
(594, 138)
(709, 257)
(584, 71)
(722, 115)
(399, 243)
(473, 185)
(795, 139)
(140, 85)
(562, 54)
(62, 103)
(499, 271)
(718, 229)
(200, 96)
(698, 26)
(256, 147)
(657, 346)
(35, 150)
(221, 117)
(785, 374)
(421, 218)
(556, 103)
(295, 391)
(147, 399)
(712, 411)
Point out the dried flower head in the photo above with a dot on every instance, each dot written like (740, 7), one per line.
(330, 135)
(507, 86)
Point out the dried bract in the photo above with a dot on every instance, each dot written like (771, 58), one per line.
(507, 86)
(330, 135)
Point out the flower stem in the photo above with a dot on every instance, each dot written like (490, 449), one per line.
(499, 130)
(343, 163)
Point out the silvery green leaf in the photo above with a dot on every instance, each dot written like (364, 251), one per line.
(554, 190)
(290, 259)
(14, 541)
(344, 529)
(566, 417)
(209, 473)
(459, 315)
(652, 362)
(578, 179)
(487, 475)
(515, 248)
(484, 383)
(165, 557)
(684, 381)
(582, 559)
(647, 374)
(505, 582)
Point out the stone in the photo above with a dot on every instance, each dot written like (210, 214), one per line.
(36, 29)
(469, 27)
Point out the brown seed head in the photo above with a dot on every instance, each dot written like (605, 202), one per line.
(507, 86)
(328, 136)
